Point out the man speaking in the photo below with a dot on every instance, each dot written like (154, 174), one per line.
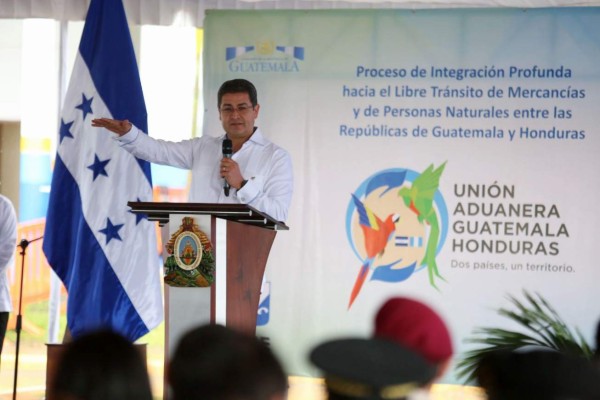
(252, 171)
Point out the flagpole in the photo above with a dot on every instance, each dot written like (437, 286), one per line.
(55, 283)
(23, 245)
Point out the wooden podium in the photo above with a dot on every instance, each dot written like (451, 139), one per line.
(242, 238)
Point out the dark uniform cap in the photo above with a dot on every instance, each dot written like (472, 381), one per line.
(372, 368)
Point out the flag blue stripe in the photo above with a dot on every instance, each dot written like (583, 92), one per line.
(96, 296)
(108, 52)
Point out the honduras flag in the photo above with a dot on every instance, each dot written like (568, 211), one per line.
(104, 254)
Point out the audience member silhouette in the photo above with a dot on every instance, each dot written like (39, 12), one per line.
(537, 375)
(418, 327)
(370, 369)
(101, 365)
(597, 352)
(217, 363)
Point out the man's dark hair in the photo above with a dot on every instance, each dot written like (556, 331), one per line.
(218, 363)
(101, 365)
(238, 86)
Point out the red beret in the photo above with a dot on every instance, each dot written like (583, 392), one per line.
(416, 326)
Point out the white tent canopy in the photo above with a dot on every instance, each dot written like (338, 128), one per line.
(191, 12)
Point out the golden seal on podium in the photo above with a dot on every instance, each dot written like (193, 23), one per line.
(191, 262)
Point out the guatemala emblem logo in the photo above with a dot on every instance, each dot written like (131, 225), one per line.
(190, 262)
(264, 57)
(397, 223)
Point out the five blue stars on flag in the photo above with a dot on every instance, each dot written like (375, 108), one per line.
(98, 167)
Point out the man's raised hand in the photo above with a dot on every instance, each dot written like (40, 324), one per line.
(113, 125)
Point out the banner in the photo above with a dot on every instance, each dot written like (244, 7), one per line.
(104, 254)
(446, 155)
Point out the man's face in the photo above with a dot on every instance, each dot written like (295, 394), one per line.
(237, 115)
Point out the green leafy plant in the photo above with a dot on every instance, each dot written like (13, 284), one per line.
(542, 328)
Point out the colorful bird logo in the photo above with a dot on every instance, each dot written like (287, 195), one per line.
(419, 198)
(396, 224)
(377, 235)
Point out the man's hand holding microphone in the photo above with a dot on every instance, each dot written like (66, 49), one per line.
(230, 170)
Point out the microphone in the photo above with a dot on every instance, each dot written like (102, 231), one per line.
(227, 152)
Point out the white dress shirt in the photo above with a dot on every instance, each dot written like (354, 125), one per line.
(8, 246)
(266, 166)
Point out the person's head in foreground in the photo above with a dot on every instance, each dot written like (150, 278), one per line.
(597, 353)
(418, 327)
(98, 366)
(370, 369)
(217, 363)
(537, 375)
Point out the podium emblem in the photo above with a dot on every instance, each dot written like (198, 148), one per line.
(191, 262)
(188, 251)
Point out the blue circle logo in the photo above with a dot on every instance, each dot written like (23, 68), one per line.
(396, 224)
